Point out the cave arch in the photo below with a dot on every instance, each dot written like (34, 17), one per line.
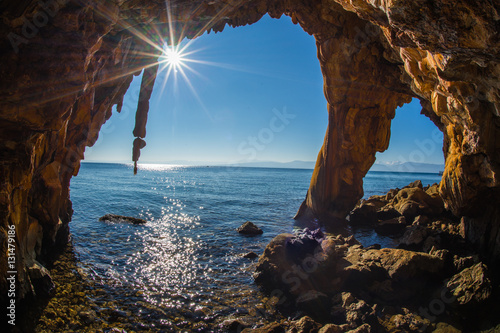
(62, 75)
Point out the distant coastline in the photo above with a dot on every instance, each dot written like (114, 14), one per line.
(407, 167)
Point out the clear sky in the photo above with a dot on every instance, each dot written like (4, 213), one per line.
(255, 94)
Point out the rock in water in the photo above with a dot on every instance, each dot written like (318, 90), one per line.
(251, 255)
(121, 218)
(248, 228)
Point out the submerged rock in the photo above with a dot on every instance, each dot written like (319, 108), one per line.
(248, 228)
(121, 218)
(250, 255)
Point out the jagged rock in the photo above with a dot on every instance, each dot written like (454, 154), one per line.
(121, 218)
(233, 325)
(248, 228)
(471, 286)
(304, 325)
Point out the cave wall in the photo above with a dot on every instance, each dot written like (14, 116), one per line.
(65, 64)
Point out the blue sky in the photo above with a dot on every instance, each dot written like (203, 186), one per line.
(260, 98)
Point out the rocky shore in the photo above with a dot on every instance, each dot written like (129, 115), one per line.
(432, 281)
(315, 282)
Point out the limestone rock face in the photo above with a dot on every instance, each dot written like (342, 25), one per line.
(64, 65)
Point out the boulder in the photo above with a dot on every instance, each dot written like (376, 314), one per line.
(121, 218)
(248, 228)
(471, 286)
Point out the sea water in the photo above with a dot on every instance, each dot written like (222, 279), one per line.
(187, 262)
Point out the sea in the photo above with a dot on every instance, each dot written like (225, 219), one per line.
(185, 268)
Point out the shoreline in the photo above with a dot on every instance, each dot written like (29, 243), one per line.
(80, 304)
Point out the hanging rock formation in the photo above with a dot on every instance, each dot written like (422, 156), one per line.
(65, 64)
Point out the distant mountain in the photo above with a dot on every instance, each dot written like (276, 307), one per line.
(408, 167)
(284, 165)
(388, 167)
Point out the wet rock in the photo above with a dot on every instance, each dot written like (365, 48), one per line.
(248, 228)
(233, 325)
(391, 227)
(121, 218)
(274, 327)
(304, 325)
(471, 286)
(251, 255)
(116, 330)
(87, 317)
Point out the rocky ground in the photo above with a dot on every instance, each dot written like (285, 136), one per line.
(432, 282)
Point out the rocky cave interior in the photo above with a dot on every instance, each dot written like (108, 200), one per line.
(66, 63)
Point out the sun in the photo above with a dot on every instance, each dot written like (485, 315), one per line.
(173, 56)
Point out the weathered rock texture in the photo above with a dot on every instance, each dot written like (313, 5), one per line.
(65, 64)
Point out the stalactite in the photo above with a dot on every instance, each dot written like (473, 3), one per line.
(141, 115)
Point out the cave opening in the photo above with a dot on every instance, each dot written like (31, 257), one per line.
(59, 87)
